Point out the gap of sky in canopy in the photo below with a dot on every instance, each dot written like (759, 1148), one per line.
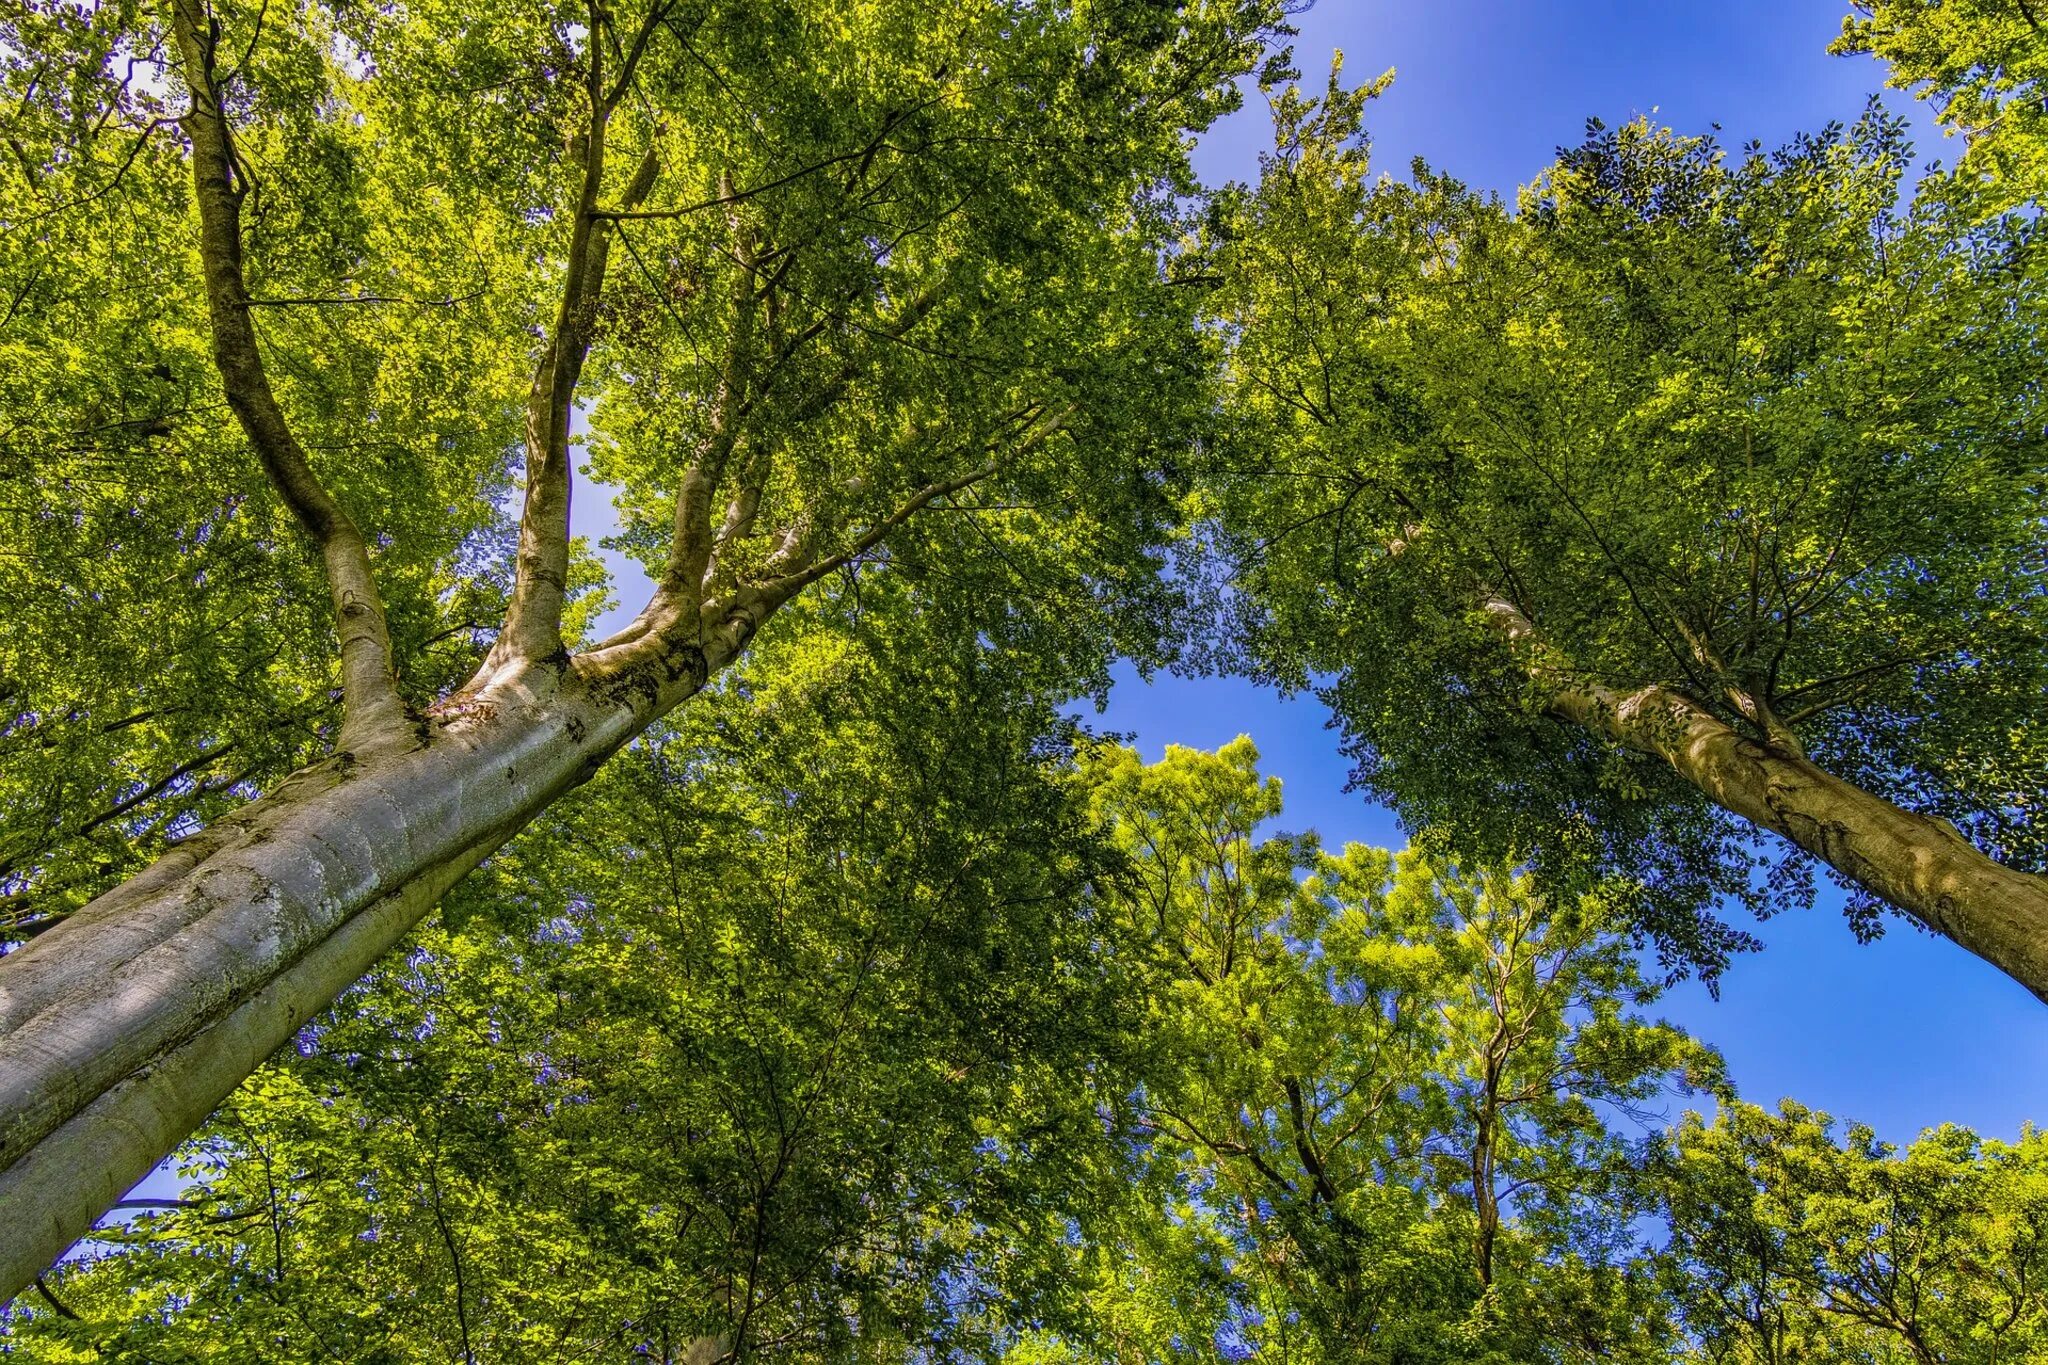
(1902, 1034)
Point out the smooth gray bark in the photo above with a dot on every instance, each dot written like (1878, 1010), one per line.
(123, 1027)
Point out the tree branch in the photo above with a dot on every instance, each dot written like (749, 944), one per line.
(782, 589)
(1311, 1160)
(689, 556)
(727, 195)
(744, 508)
(343, 300)
(693, 542)
(740, 515)
(373, 714)
(533, 618)
(153, 789)
(62, 1310)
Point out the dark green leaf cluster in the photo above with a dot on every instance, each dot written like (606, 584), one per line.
(1743, 427)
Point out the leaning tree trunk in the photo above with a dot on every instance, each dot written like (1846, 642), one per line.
(1922, 866)
(124, 1026)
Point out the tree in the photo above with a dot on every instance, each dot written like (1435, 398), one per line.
(1378, 1097)
(844, 289)
(758, 1046)
(1984, 65)
(1607, 526)
(1788, 1243)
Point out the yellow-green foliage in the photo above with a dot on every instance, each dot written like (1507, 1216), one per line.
(1983, 65)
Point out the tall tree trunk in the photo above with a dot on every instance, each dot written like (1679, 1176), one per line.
(1923, 866)
(123, 1027)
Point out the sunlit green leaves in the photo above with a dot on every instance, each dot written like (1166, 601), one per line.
(1793, 1238)
(1983, 66)
(1381, 1098)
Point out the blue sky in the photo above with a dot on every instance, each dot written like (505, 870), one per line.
(1488, 89)
(1903, 1034)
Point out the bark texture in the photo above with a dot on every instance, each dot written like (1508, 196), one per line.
(124, 1026)
(1922, 866)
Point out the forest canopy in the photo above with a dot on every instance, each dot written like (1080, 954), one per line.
(1136, 1079)
(781, 966)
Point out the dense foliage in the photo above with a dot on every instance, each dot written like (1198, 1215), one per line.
(997, 1044)
(1680, 419)
(768, 1037)
(883, 245)
(850, 1000)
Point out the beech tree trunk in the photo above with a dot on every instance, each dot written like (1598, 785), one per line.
(124, 1026)
(1920, 865)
